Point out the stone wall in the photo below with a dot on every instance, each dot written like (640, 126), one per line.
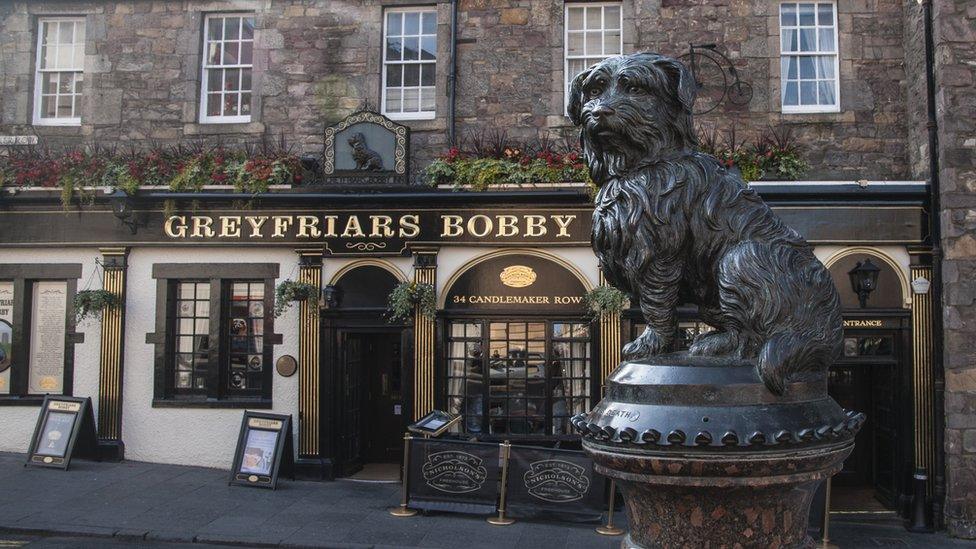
(316, 61)
(955, 57)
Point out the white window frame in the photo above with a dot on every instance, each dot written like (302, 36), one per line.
(39, 120)
(419, 115)
(603, 30)
(205, 73)
(809, 109)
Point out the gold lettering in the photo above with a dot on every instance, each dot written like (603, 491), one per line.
(256, 222)
(452, 226)
(353, 228)
(473, 225)
(535, 225)
(281, 225)
(230, 226)
(563, 221)
(330, 228)
(381, 226)
(507, 225)
(175, 226)
(202, 226)
(409, 226)
(308, 226)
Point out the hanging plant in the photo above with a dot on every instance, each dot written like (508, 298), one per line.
(606, 300)
(289, 291)
(408, 295)
(91, 303)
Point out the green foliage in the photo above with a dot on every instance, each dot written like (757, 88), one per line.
(481, 173)
(775, 154)
(409, 295)
(91, 303)
(606, 300)
(289, 291)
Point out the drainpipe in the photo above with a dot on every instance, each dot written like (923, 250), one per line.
(935, 230)
(452, 76)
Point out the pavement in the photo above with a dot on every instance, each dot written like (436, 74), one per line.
(134, 504)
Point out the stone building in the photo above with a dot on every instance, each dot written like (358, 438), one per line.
(845, 82)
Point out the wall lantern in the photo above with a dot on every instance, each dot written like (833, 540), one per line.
(330, 297)
(864, 280)
(122, 209)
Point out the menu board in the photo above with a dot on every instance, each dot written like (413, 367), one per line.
(264, 450)
(65, 429)
(48, 319)
(6, 334)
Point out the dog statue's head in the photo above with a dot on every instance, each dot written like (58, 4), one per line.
(357, 140)
(632, 109)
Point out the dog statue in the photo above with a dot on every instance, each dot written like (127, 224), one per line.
(672, 226)
(366, 158)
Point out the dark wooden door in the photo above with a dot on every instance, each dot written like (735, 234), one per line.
(352, 425)
(383, 434)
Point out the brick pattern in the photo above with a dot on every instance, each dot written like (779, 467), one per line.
(316, 61)
(955, 55)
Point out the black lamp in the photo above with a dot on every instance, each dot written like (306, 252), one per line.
(864, 280)
(122, 209)
(330, 297)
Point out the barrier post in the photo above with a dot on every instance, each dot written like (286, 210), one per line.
(501, 519)
(609, 529)
(402, 510)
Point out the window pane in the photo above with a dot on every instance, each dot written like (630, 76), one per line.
(427, 74)
(393, 100)
(427, 99)
(232, 79)
(428, 48)
(826, 39)
(78, 60)
(806, 13)
(788, 41)
(791, 67)
(394, 24)
(394, 75)
(247, 32)
(429, 23)
(825, 15)
(246, 79)
(807, 67)
(411, 75)
(215, 28)
(213, 54)
(231, 102)
(232, 28)
(64, 106)
(66, 32)
(574, 43)
(808, 93)
(825, 66)
(787, 15)
(411, 100)
(611, 43)
(790, 97)
(808, 40)
(611, 17)
(247, 53)
(575, 18)
(50, 33)
(394, 49)
(213, 104)
(411, 23)
(231, 53)
(594, 43)
(411, 48)
(826, 92)
(594, 18)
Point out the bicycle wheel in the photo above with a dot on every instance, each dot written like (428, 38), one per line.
(710, 81)
(740, 93)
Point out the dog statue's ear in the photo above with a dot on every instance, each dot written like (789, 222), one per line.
(683, 84)
(575, 107)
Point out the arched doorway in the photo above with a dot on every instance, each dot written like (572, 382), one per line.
(873, 375)
(365, 357)
(517, 360)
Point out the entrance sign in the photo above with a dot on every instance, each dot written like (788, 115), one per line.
(48, 325)
(453, 475)
(558, 481)
(65, 429)
(263, 450)
(515, 283)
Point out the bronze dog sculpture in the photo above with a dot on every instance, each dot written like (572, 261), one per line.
(672, 226)
(366, 158)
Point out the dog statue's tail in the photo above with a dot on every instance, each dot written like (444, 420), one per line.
(785, 355)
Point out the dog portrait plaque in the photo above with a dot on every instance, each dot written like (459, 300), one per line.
(366, 148)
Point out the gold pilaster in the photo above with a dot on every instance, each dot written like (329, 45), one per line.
(922, 374)
(610, 341)
(309, 272)
(112, 346)
(425, 272)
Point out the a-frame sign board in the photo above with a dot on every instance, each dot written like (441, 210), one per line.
(65, 429)
(264, 450)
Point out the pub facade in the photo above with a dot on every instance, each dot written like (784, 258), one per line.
(383, 108)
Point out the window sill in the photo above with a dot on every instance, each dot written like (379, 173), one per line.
(6, 400)
(239, 403)
(195, 128)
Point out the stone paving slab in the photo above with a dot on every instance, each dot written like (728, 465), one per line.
(168, 503)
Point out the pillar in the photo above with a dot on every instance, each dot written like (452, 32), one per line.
(111, 357)
(424, 272)
(309, 384)
(923, 376)
(610, 340)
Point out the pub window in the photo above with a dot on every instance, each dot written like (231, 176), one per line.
(212, 338)
(593, 33)
(60, 71)
(409, 63)
(809, 60)
(37, 332)
(225, 91)
(518, 377)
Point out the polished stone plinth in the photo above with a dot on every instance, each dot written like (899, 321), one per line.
(706, 456)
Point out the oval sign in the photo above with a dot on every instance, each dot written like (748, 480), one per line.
(517, 283)
(286, 365)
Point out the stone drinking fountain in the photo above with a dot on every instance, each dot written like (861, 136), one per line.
(723, 445)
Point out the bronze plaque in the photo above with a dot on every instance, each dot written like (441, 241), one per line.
(286, 366)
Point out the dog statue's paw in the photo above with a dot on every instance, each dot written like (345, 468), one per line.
(646, 345)
(714, 343)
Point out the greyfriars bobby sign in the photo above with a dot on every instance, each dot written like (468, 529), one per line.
(367, 148)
